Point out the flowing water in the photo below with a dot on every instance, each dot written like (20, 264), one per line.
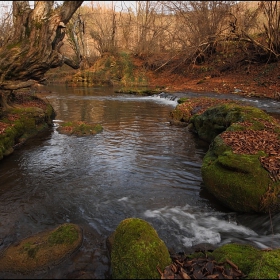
(139, 166)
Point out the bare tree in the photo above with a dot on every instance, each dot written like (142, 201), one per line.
(6, 25)
(271, 11)
(125, 22)
(104, 28)
(35, 44)
(199, 25)
(262, 45)
(146, 28)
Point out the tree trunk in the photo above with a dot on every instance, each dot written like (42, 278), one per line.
(35, 45)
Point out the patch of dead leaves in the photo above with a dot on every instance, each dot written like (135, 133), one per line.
(200, 268)
(201, 104)
(251, 141)
(3, 126)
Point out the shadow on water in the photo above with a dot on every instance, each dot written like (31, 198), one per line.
(139, 166)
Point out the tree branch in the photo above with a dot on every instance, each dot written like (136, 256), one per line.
(17, 85)
(68, 9)
(71, 63)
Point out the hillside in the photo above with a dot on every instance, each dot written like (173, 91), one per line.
(259, 80)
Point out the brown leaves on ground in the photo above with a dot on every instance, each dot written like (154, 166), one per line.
(251, 141)
(20, 100)
(3, 126)
(26, 99)
(261, 81)
(200, 268)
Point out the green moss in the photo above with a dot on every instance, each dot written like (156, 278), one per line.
(26, 122)
(137, 251)
(215, 120)
(267, 266)
(65, 234)
(238, 181)
(30, 249)
(197, 111)
(244, 256)
(138, 91)
(49, 114)
(41, 250)
(254, 263)
(182, 100)
(79, 128)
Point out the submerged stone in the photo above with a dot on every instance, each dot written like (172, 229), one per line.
(42, 250)
(79, 128)
(137, 251)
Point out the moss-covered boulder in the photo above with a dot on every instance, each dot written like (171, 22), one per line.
(42, 250)
(189, 107)
(255, 263)
(137, 251)
(22, 121)
(79, 128)
(242, 166)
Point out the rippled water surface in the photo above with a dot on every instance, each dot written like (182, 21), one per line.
(139, 166)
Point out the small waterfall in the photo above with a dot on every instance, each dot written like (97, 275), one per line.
(168, 96)
(268, 105)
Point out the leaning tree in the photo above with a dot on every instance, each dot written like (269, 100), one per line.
(35, 45)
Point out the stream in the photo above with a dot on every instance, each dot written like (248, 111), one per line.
(138, 166)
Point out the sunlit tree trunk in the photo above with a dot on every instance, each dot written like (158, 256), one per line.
(35, 44)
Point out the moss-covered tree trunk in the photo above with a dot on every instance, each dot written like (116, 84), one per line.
(34, 47)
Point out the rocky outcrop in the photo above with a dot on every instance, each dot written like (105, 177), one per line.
(242, 166)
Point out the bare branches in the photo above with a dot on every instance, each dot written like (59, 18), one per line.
(271, 11)
(267, 42)
(6, 25)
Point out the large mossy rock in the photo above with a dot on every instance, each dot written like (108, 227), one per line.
(189, 107)
(242, 166)
(137, 251)
(239, 167)
(42, 250)
(255, 263)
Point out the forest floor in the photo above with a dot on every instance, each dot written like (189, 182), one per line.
(255, 80)
(261, 81)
